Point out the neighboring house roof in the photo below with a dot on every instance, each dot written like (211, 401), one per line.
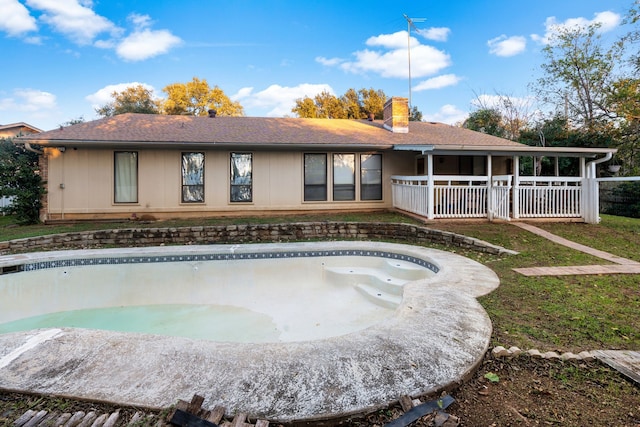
(156, 130)
(15, 129)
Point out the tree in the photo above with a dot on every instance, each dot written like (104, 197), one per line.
(486, 120)
(196, 98)
(352, 105)
(625, 98)
(556, 132)
(373, 102)
(133, 99)
(20, 178)
(625, 102)
(329, 106)
(514, 114)
(633, 36)
(75, 121)
(577, 75)
(305, 108)
(416, 115)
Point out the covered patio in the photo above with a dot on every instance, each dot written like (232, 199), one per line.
(485, 182)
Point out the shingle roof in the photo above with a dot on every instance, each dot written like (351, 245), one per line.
(152, 129)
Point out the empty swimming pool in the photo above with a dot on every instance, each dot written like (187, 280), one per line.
(208, 293)
(310, 329)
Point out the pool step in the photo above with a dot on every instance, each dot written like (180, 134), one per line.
(379, 297)
(406, 270)
(371, 276)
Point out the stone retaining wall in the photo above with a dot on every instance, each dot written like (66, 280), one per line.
(247, 233)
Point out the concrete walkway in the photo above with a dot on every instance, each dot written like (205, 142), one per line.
(620, 265)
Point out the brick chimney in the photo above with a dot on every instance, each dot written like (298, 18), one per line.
(396, 115)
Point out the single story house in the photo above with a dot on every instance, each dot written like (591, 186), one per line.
(161, 166)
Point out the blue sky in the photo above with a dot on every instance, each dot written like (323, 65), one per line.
(63, 58)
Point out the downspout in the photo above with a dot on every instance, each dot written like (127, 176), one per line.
(591, 166)
(33, 150)
(592, 189)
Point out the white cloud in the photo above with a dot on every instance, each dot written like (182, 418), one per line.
(69, 17)
(146, 44)
(391, 59)
(278, 100)
(440, 34)
(449, 114)
(28, 101)
(396, 40)
(140, 21)
(507, 46)
(329, 62)
(607, 20)
(242, 93)
(437, 82)
(15, 19)
(103, 96)
(77, 21)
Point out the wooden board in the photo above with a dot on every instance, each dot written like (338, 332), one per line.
(624, 361)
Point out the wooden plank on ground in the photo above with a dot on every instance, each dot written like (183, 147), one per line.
(196, 404)
(623, 361)
(405, 403)
(239, 419)
(215, 416)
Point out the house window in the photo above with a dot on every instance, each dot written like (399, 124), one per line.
(241, 180)
(370, 177)
(192, 177)
(125, 177)
(315, 177)
(344, 178)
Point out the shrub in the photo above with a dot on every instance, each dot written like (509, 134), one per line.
(20, 178)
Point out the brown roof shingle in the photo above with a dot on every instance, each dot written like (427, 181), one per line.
(163, 129)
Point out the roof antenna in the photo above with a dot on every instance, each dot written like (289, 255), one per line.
(410, 23)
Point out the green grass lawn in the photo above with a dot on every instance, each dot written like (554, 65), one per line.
(564, 313)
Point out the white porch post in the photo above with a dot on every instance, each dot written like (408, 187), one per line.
(430, 188)
(489, 188)
(516, 187)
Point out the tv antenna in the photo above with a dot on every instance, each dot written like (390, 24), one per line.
(411, 23)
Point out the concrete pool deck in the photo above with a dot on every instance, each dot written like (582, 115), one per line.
(435, 338)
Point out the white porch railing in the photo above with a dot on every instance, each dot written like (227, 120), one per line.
(549, 197)
(410, 193)
(460, 196)
(454, 196)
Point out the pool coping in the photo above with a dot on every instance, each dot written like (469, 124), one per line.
(425, 347)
